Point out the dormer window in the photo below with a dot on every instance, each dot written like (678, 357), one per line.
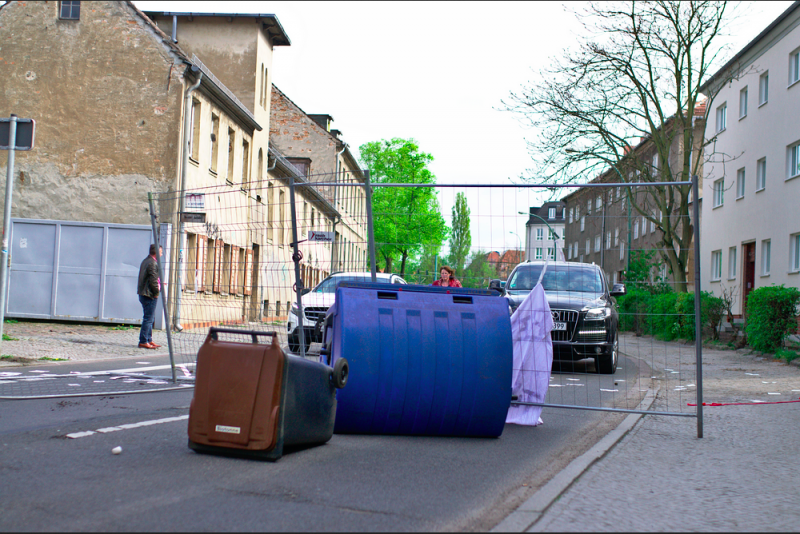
(551, 213)
(70, 10)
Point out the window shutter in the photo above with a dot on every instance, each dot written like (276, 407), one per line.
(248, 272)
(234, 270)
(219, 246)
(201, 263)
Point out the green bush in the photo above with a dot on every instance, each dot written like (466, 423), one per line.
(668, 316)
(770, 318)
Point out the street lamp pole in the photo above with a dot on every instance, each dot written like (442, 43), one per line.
(555, 235)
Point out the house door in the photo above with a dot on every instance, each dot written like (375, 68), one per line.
(749, 271)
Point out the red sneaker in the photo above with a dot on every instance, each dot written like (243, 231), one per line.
(146, 346)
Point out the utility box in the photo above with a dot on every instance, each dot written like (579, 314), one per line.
(253, 400)
(423, 360)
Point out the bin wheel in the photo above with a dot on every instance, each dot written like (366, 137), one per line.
(341, 372)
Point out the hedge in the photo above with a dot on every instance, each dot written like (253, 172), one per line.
(770, 316)
(668, 316)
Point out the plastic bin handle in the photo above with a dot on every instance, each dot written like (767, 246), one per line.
(213, 331)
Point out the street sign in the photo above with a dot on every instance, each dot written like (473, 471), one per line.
(190, 217)
(320, 237)
(25, 134)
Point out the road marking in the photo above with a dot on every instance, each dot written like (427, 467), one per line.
(129, 426)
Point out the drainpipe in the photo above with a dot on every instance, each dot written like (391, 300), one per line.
(335, 247)
(187, 136)
(174, 28)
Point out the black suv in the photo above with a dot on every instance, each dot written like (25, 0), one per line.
(584, 312)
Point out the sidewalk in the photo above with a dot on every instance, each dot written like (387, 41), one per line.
(741, 476)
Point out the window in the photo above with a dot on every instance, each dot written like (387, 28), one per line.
(722, 117)
(70, 11)
(575, 252)
(616, 237)
(569, 252)
(766, 245)
(551, 213)
(551, 253)
(597, 239)
(245, 166)
(731, 263)
(598, 203)
(539, 234)
(716, 265)
(794, 160)
(231, 140)
(608, 240)
(636, 229)
(794, 67)
(587, 250)
(653, 224)
(194, 141)
(719, 192)
(551, 235)
(743, 103)
(740, 183)
(794, 253)
(763, 89)
(538, 254)
(569, 215)
(655, 164)
(214, 142)
(588, 206)
(583, 223)
(621, 251)
(761, 174)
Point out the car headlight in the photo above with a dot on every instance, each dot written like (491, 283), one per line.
(295, 310)
(594, 314)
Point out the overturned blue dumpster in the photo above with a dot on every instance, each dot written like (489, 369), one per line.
(423, 360)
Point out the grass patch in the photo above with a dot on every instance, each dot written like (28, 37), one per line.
(122, 327)
(47, 359)
(6, 337)
(11, 321)
(787, 354)
(15, 359)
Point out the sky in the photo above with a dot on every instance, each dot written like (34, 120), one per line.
(436, 72)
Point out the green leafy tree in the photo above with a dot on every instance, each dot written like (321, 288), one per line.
(460, 237)
(479, 271)
(405, 218)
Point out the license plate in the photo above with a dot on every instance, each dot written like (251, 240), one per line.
(560, 326)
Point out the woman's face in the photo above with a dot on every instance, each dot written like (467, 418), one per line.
(445, 274)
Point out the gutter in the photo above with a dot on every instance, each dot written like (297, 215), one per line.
(187, 136)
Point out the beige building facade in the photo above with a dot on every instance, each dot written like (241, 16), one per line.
(751, 224)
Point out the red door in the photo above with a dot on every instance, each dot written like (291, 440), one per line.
(749, 271)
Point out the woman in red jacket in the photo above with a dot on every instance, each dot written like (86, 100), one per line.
(448, 278)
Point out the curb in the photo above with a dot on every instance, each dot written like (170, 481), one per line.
(525, 517)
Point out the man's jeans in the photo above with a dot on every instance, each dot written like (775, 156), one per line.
(149, 309)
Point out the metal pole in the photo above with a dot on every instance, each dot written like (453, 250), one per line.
(5, 259)
(370, 226)
(298, 281)
(163, 289)
(698, 337)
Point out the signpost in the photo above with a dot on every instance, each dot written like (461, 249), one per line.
(15, 134)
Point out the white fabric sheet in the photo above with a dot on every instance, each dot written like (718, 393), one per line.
(533, 356)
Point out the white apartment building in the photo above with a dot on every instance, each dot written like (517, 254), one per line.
(750, 230)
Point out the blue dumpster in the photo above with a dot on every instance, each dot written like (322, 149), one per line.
(423, 360)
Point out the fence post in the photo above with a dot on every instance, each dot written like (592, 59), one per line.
(370, 227)
(157, 240)
(698, 327)
(298, 286)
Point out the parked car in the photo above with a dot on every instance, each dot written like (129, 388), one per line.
(584, 310)
(317, 301)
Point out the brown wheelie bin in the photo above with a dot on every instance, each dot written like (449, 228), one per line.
(251, 399)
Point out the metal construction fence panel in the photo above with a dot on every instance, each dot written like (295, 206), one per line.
(260, 256)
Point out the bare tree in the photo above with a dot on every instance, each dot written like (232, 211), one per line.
(634, 84)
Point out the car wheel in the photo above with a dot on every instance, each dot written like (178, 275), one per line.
(341, 372)
(607, 365)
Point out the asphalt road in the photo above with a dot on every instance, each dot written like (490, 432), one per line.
(352, 483)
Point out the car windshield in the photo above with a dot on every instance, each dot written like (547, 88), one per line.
(557, 278)
(329, 285)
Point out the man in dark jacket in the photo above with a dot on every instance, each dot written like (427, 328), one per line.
(149, 287)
